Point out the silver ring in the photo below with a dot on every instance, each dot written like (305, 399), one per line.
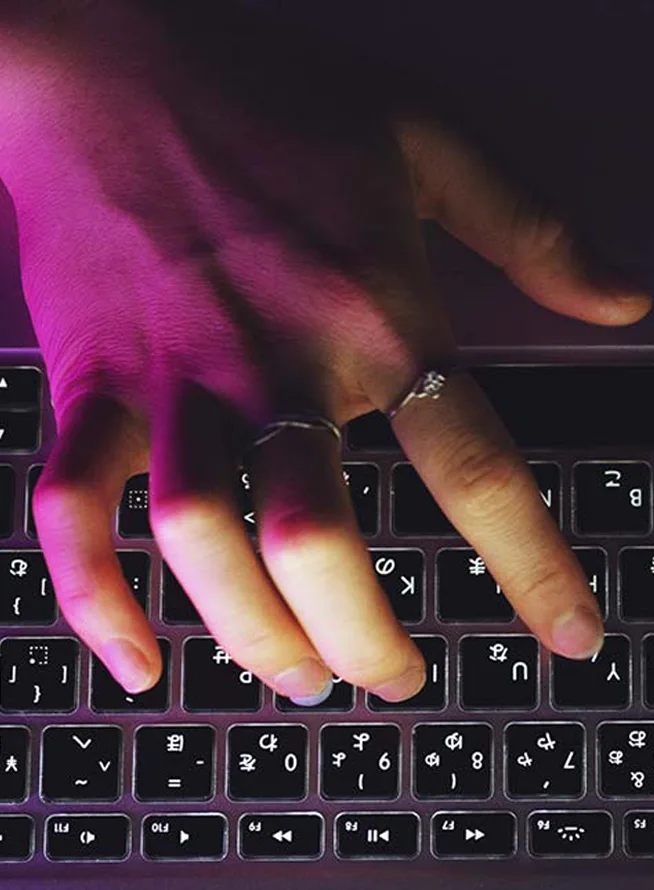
(300, 421)
(429, 385)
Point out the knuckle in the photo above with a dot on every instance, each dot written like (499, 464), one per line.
(55, 499)
(489, 482)
(375, 668)
(544, 588)
(189, 516)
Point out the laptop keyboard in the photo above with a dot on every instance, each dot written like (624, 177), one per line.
(507, 752)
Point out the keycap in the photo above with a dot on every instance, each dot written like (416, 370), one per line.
(636, 583)
(38, 674)
(16, 838)
(574, 833)
(401, 574)
(371, 432)
(281, 836)
(78, 838)
(7, 500)
(184, 836)
(601, 682)
(20, 431)
(267, 762)
(625, 756)
(478, 835)
(413, 509)
(377, 835)
(136, 570)
(466, 590)
(108, 696)
(176, 607)
(498, 672)
(359, 761)
(432, 696)
(33, 475)
(20, 388)
(213, 682)
(648, 671)
(174, 762)
(593, 561)
(81, 763)
(26, 590)
(362, 481)
(544, 760)
(612, 498)
(548, 479)
(14, 765)
(340, 699)
(638, 833)
(452, 760)
(133, 512)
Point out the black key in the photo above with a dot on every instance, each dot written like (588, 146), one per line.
(498, 672)
(81, 763)
(32, 478)
(485, 835)
(401, 573)
(648, 671)
(26, 590)
(268, 762)
(604, 681)
(185, 837)
(612, 498)
(371, 432)
(636, 583)
(625, 759)
(7, 501)
(544, 759)
(432, 696)
(174, 762)
(576, 833)
(413, 508)
(16, 838)
(14, 765)
(638, 833)
(362, 481)
(377, 835)
(77, 838)
(108, 696)
(452, 760)
(548, 479)
(38, 675)
(466, 590)
(213, 682)
(281, 835)
(340, 699)
(593, 562)
(359, 761)
(136, 569)
(20, 388)
(176, 607)
(134, 510)
(20, 431)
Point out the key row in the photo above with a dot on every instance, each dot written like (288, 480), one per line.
(493, 672)
(607, 498)
(555, 834)
(356, 761)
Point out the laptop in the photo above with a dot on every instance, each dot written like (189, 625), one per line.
(510, 767)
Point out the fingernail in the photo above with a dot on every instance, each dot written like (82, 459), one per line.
(578, 634)
(128, 665)
(306, 683)
(406, 686)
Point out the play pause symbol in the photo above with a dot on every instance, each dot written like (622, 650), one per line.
(374, 836)
(377, 835)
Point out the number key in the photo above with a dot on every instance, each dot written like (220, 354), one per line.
(612, 499)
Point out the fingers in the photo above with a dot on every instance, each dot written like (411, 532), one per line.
(199, 528)
(468, 462)
(455, 185)
(74, 503)
(313, 551)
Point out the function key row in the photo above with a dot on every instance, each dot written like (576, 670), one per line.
(554, 834)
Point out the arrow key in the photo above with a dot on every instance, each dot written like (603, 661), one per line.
(281, 836)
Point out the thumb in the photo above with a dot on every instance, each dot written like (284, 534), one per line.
(454, 184)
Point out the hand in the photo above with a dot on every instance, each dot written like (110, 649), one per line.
(210, 237)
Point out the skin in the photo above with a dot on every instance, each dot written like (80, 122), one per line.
(204, 249)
